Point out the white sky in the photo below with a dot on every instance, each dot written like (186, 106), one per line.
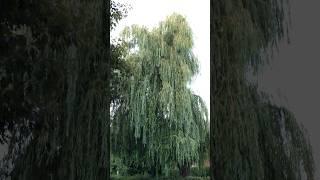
(150, 12)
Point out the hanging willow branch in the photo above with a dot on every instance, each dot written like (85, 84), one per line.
(165, 116)
(245, 140)
(67, 83)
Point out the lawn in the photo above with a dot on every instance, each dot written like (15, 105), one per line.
(146, 177)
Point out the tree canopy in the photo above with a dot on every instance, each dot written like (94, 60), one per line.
(55, 88)
(166, 118)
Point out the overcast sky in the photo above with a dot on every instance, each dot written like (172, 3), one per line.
(150, 12)
(295, 71)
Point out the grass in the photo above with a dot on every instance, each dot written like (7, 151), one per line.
(146, 177)
(195, 174)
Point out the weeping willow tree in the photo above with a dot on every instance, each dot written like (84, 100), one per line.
(167, 120)
(57, 69)
(246, 142)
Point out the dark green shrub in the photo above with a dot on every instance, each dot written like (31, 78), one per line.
(117, 166)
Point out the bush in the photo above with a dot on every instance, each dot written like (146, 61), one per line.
(117, 166)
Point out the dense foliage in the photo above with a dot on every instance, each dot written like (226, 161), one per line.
(54, 89)
(54, 94)
(242, 33)
(160, 123)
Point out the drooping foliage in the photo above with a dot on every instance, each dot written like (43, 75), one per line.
(54, 87)
(120, 73)
(284, 145)
(119, 68)
(118, 11)
(245, 140)
(168, 122)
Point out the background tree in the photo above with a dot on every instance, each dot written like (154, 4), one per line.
(242, 32)
(168, 121)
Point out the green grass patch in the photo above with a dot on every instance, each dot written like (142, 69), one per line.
(146, 177)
